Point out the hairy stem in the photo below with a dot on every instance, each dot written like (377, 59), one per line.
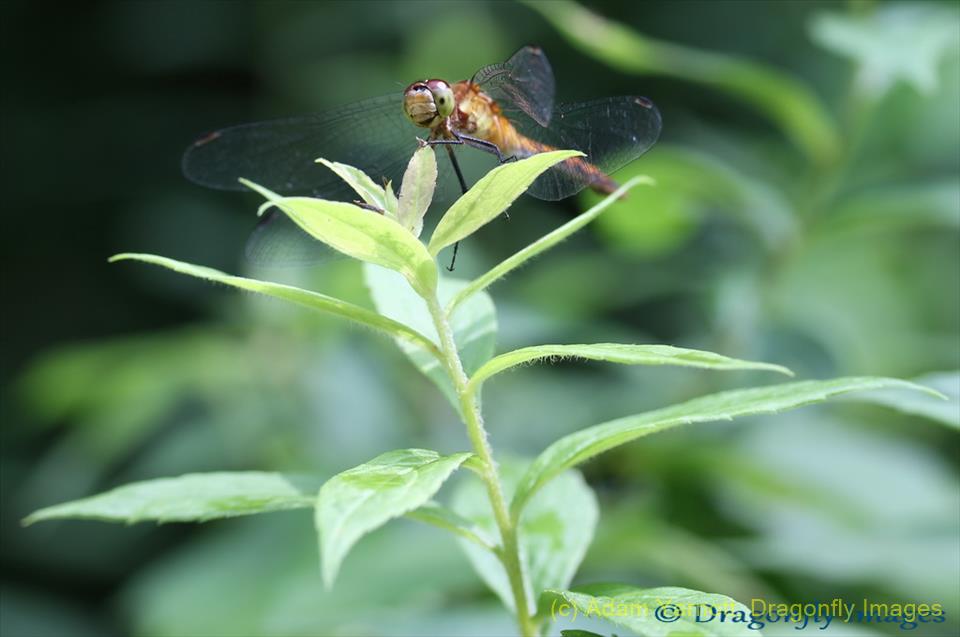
(509, 552)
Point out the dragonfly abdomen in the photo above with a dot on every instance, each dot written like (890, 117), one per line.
(576, 167)
(478, 115)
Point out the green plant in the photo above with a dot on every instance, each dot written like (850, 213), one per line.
(524, 525)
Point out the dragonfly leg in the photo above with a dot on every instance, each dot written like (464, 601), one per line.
(367, 206)
(475, 142)
(445, 142)
(456, 167)
(463, 187)
(483, 144)
(490, 147)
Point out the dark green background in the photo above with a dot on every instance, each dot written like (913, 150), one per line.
(116, 373)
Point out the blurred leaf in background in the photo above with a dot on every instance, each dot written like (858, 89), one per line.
(866, 39)
(807, 213)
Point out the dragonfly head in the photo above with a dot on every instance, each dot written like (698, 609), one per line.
(428, 103)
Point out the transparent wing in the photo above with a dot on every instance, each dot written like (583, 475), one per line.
(523, 83)
(278, 242)
(611, 131)
(280, 154)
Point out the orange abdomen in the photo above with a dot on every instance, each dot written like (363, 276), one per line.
(577, 167)
(479, 115)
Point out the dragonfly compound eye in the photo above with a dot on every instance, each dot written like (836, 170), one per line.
(442, 96)
(419, 105)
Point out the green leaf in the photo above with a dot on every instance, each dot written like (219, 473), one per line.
(357, 501)
(416, 191)
(474, 324)
(692, 185)
(654, 612)
(946, 412)
(443, 518)
(395, 299)
(390, 203)
(554, 532)
(312, 300)
(787, 102)
(542, 244)
(361, 234)
(870, 39)
(897, 208)
(109, 395)
(582, 445)
(195, 497)
(618, 353)
(364, 186)
(492, 195)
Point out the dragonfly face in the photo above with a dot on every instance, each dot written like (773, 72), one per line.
(428, 103)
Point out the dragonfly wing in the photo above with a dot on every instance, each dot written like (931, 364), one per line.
(279, 242)
(524, 82)
(280, 154)
(611, 131)
(372, 135)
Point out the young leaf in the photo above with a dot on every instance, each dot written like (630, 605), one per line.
(361, 234)
(312, 300)
(443, 518)
(654, 612)
(618, 353)
(416, 191)
(390, 204)
(195, 497)
(946, 412)
(357, 501)
(490, 196)
(554, 532)
(366, 187)
(582, 445)
(474, 323)
(541, 245)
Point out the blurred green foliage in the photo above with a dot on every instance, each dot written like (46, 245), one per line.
(807, 214)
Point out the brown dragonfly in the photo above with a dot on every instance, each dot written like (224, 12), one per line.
(506, 109)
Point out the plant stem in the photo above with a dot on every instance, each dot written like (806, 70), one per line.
(509, 552)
